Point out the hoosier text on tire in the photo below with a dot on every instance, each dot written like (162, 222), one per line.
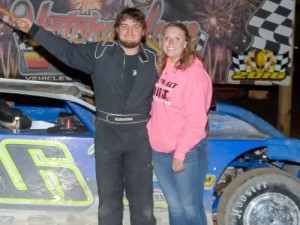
(261, 197)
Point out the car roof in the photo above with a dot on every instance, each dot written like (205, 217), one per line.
(72, 91)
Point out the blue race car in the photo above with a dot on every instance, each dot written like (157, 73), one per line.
(47, 171)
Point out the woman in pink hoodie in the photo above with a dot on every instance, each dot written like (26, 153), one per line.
(179, 115)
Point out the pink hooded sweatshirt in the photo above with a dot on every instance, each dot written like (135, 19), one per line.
(180, 106)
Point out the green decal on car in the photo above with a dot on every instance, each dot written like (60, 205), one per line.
(41, 173)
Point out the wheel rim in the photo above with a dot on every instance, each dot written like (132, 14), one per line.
(272, 209)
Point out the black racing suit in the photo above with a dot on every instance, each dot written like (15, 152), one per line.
(123, 152)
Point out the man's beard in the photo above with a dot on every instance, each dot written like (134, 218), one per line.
(129, 44)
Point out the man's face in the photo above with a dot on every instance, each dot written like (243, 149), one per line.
(130, 33)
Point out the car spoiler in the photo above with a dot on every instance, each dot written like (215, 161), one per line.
(73, 92)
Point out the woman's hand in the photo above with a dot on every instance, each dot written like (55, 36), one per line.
(24, 24)
(177, 166)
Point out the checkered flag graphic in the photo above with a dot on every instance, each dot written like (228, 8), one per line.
(202, 42)
(282, 62)
(272, 27)
(238, 62)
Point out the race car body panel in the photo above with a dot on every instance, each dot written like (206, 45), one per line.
(47, 172)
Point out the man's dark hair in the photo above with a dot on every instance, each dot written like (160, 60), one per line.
(131, 13)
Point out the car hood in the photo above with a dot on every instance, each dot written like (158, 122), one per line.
(73, 92)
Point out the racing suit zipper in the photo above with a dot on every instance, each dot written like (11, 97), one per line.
(124, 102)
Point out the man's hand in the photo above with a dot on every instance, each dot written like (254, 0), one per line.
(177, 166)
(24, 24)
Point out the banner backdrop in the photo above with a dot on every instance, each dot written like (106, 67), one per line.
(241, 41)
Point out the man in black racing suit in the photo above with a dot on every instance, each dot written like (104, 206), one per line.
(123, 75)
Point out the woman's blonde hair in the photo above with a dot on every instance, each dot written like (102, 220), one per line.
(188, 55)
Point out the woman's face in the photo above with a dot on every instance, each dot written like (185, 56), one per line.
(173, 43)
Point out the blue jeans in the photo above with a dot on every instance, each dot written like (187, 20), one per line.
(183, 191)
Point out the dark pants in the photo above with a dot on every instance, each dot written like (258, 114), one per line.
(123, 162)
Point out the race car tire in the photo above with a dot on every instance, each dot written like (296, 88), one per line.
(261, 197)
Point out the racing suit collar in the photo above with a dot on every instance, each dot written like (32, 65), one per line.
(142, 53)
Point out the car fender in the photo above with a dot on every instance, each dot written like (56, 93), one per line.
(286, 149)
